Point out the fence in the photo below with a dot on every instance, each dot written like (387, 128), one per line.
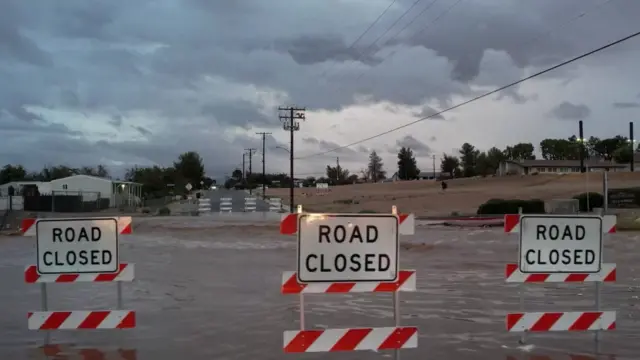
(46, 319)
(11, 203)
(275, 204)
(65, 201)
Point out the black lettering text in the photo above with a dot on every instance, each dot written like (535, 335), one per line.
(323, 233)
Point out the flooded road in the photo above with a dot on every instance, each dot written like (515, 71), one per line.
(213, 292)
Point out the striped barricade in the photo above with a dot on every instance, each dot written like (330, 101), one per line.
(80, 319)
(289, 224)
(226, 205)
(204, 205)
(275, 204)
(524, 322)
(250, 204)
(348, 339)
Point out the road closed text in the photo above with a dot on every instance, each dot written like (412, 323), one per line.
(74, 257)
(559, 247)
(77, 246)
(349, 251)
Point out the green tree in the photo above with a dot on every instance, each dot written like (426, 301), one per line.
(190, 167)
(449, 165)
(11, 173)
(519, 152)
(375, 167)
(237, 174)
(468, 157)
(337, 175)
(407, 165)
(560, 149)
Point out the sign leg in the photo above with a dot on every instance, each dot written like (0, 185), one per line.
(597, 334)
(44, 303)
(302, 326)
(396, 318)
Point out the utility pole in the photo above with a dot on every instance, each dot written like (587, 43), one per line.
(243, 168)
(337, 169)
(251, 151)
(633, 148)
(434, 166)
(264, 178)
(291, 114)
(582, 146)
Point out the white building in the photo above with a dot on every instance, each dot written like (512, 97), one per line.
(92, 187)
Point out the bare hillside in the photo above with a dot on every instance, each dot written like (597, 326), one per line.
(424, 197)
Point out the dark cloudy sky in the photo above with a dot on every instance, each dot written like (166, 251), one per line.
(138, 82)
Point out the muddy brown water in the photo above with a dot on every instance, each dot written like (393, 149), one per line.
(205, 292)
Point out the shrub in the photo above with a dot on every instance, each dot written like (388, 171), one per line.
(596, 200)
(164, 211)
(503, 206)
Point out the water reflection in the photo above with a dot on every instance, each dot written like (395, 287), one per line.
(69, 352)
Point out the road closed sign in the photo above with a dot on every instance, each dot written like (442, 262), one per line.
(347, 248)
(560, 244)
(77, 246)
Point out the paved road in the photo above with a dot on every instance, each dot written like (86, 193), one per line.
(237, 201)
(207, 289)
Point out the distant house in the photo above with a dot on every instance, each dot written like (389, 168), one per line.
(526, 167)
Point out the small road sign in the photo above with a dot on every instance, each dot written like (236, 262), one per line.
(77, 246)
(560, 244)
(347, 248)
(188, 187)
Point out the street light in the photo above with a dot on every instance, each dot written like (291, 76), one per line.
(283, 148)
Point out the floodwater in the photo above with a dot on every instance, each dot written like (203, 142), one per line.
(205, 290)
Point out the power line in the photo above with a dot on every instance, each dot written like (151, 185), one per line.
(360, 54)
(604, 47)
(364, 33)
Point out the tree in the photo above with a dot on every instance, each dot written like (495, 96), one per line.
(519, 152)
(375, 167)
(483, 165)
(11, 173)
(237, 174)
(407, 166)
(449, 164)
(190, 166)
(468, 157)
(337, 175)
(560, 149)
(605, 148)
(623, 155)
(494, 157)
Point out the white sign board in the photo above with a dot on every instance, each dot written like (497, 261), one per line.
(347, 247)
(560, 244)
(77, 246)
(188, 187)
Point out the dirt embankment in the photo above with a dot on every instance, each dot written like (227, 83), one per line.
(424, 197)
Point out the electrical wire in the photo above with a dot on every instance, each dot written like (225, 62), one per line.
(527, 43)
(360, 54)
(363, 34)
(459, 105)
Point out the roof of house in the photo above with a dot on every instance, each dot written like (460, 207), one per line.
(567, 163)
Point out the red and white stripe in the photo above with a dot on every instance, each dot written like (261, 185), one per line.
(512, 223)
(289, 224)
(124, 274)
(331, 340)
(81, 320)
(60, 352)
(28, 227)
(514, 275)
(406, 282)
(561, 321)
